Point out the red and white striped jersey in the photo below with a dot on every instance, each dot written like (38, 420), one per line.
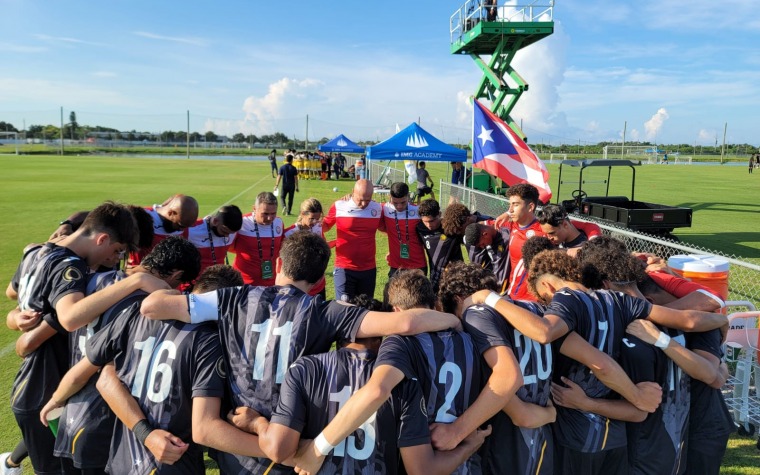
(404, 233)
(159, 234)
(355, 248)
(213, 248)
(249, 255)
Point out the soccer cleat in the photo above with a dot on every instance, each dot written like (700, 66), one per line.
(5, 469)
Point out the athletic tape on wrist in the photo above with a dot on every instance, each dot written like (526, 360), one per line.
(322, 445)
(492, 299)
(662, 341)
(142, 430)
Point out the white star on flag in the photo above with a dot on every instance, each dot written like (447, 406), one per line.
(485, 135)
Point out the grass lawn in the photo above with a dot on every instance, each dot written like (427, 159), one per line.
(39, 191)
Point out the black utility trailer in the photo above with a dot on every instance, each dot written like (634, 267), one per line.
(636, 215)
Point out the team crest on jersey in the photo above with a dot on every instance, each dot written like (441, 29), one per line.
(443, 237)
(71, 274)
(530, 233)
(278, 230)
(221, 368)
(412, 213)
(373, 212)
(501, 249)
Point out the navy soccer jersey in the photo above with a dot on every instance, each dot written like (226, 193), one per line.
(87, 422)
(499, 255)
(710, 422)
(164, 365)
(656, 445)
(448, 370)
(263, 330)
(45, 275)
(440, 249)
(509, 448)
(599, 317)
(315, 389)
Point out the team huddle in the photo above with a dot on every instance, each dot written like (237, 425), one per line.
(554, 350)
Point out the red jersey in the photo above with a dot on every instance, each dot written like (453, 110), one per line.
(355, 246)
(159, 234)
(518, 274)
(405, 249)
(213, 248)
(316, 229)
(256, 245)
(678, 286)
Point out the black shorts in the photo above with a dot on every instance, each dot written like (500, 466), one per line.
(424, 191)
(40, 442)
(571, 462)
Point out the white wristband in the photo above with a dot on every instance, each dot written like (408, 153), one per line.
(322, 445)
(492, 299)
(662, 341)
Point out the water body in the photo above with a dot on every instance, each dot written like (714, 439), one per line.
(247, 158)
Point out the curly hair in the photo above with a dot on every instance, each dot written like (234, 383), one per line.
(365, 301)
(172, 254)
(525, 191)
(607, 259)
(455, 219)
(461, 280)
(557, 263)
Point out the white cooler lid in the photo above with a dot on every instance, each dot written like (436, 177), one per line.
(698, 263)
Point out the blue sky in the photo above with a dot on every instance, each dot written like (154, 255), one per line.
(674, 71)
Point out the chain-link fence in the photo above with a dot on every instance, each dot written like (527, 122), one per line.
(383, 175)
(744, 277)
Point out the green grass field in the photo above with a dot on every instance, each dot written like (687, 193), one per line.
(39, 191)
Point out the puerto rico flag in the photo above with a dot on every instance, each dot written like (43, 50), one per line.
(501, 152)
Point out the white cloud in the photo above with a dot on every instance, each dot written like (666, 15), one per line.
(654, 125)
(633, 136)
(59, 39)
(14, 48)
(706, 136)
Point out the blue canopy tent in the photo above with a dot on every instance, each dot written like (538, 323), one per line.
(413, 144)
(341, 144)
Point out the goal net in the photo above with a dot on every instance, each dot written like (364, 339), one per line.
(557, 157)
(634, 152)
(9, 141)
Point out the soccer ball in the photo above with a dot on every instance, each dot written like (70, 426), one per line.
(335, 189)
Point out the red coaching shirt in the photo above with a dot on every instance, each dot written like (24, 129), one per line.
(213, 248)
(355, 245)
(405, 249)
(256, 247)
(159, 234)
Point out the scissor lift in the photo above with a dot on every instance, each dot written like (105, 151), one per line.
(514, 27)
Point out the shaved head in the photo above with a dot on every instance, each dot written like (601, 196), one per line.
(362, 194)
(182, 210)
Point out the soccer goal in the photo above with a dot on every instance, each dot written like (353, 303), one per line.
(9, 138)
(646, 153)
(557, 157)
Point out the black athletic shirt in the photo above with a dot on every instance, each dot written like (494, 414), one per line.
(440, 249)
(509, 448)
(263, 331)
(87, 422)
(164, 364)
(448, 370)
(45, 275)
(315, 389)
(657, 444)
(599, 317)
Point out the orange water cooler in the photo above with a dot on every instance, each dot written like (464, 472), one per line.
(710, 271)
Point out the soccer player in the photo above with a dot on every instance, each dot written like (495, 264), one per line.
(455, 220)
(357, 221)
(175, 374)
(495, 243)
(424, 182)
(86, 422)
(51, 281)
(444, 363)
(258, 242)
(564, 233)
(171, 218)
(440, 248)
(214, 235)
(589, 443)
(523, 442)
(399, 216)
(264, 329)
(522, 225)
